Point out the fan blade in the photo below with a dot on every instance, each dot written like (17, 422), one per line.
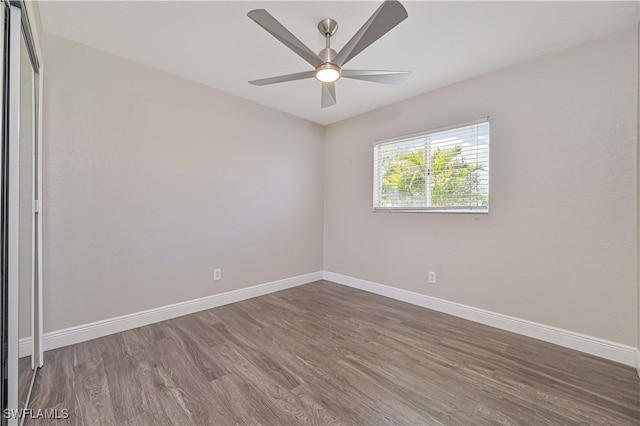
(283, 78)
(276, 29)
(328, 94)
(385, 77)
(388, 15)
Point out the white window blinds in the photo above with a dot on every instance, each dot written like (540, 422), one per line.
(442, 170)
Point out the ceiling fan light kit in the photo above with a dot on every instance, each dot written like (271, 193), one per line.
(328, 63)
(328, 73)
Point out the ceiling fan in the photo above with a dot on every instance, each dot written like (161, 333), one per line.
(328, 64)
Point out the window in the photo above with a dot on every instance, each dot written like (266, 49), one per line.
(445, 170)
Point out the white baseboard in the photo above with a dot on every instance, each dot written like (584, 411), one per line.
(592, 345)
(94, 330)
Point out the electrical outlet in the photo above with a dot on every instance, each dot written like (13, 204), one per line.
(217, 274)
(432, 277)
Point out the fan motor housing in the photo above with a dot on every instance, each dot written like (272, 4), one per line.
(327, 55)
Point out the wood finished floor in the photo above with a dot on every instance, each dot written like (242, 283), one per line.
(328, 354)
(25, 373)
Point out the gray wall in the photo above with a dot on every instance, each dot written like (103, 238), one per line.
(559, 244)
(152, 181)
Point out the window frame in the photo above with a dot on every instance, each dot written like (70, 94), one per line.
(426, 135)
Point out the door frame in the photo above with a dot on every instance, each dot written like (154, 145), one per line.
(12, 133)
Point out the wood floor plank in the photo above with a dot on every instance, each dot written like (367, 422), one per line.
(197, 401)
(25, 374)
(94, 395)
(57, 391)
(327, 354)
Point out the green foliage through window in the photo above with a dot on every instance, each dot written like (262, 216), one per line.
(442, 170)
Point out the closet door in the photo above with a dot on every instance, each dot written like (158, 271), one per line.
(27, 236)
(11, 140)
(4, 227)
(21, 211)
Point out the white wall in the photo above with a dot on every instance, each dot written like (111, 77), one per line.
(152, 181)
(559, 244)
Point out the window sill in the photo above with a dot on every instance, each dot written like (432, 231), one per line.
(430, 210)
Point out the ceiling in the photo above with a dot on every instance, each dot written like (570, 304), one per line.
(214, 43)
